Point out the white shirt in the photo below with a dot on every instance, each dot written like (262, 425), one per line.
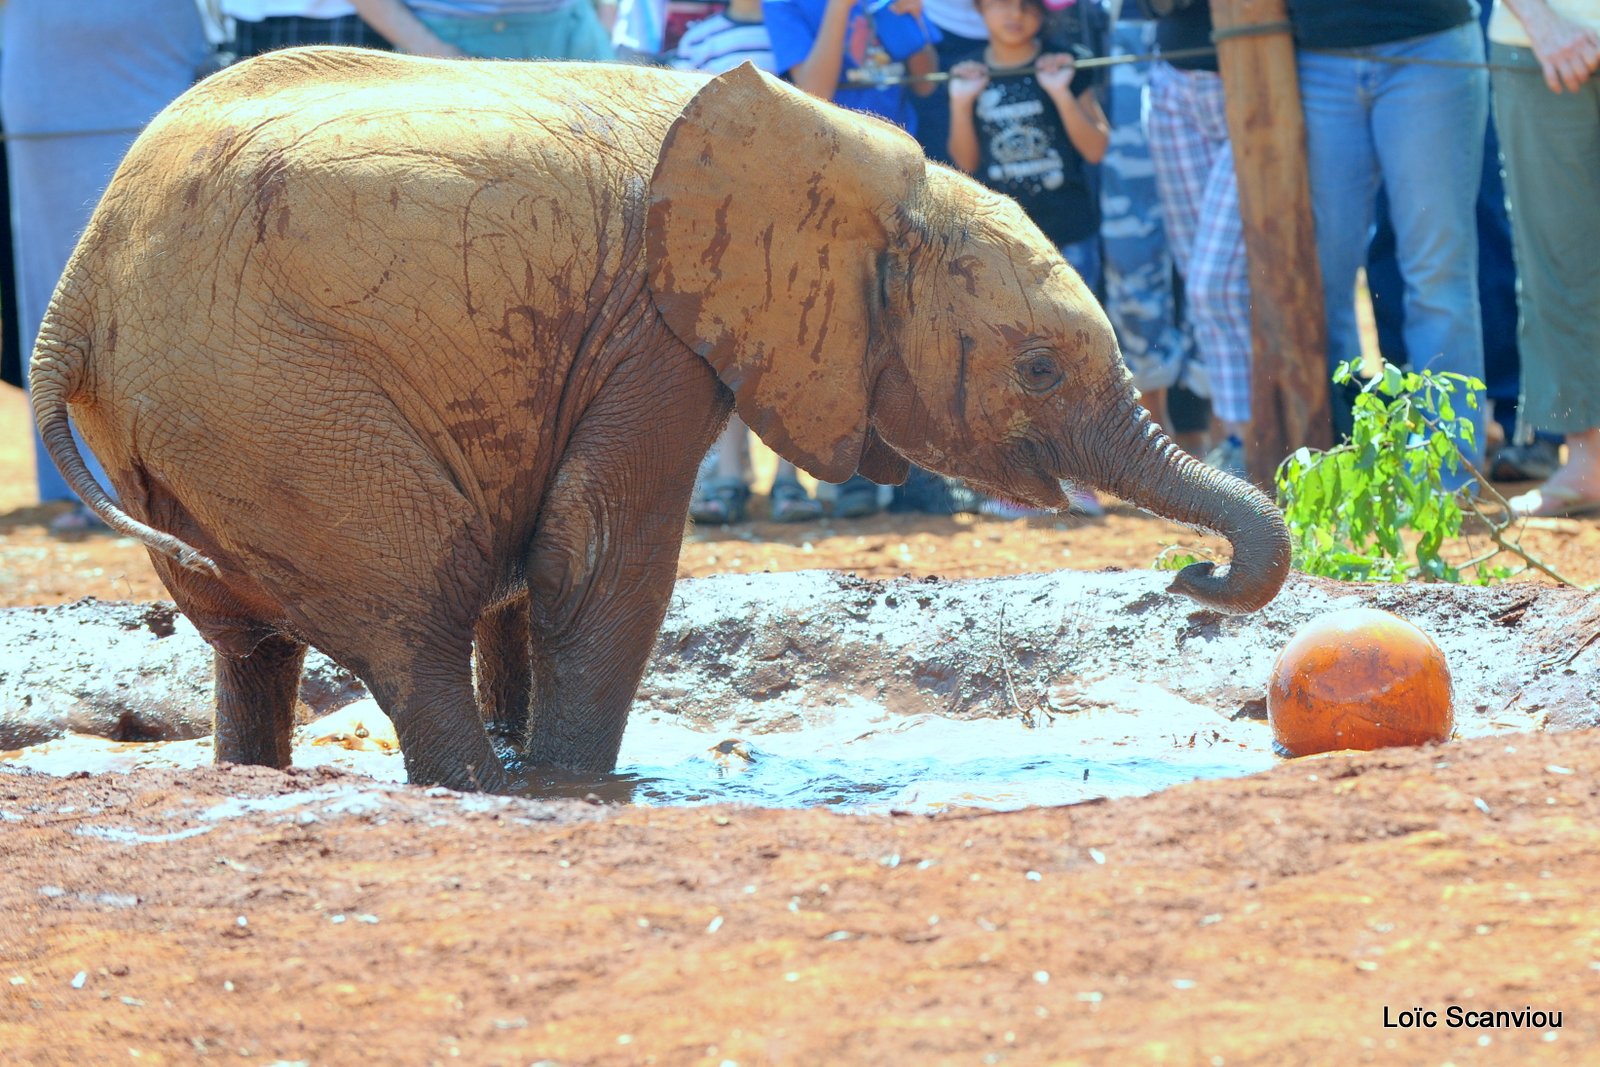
(958, 16)
(718, 44)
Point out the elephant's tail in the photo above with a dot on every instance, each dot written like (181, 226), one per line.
(55, 379)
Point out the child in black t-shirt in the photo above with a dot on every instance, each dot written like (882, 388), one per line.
(1030, 136)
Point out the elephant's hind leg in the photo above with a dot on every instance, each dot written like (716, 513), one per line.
(256, 668)
(411, 644)
(413, 649)
(255, 702)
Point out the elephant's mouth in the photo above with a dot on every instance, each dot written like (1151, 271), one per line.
(1042, 490)
(1031, 476)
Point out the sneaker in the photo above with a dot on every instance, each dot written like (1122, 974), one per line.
(924, 492)
(791, 502)
(80, 520)
(1533, 462)
(856, 499)
(1228, 457)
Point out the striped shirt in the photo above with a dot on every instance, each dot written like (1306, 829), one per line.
(718, 43)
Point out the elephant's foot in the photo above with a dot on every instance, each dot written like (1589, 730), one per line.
(441, 735)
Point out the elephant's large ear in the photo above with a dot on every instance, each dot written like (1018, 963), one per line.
(770, 213)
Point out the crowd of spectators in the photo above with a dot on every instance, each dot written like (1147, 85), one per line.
(1129, 171)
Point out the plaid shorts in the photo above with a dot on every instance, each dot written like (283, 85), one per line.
(288, 31)
(1193, 158)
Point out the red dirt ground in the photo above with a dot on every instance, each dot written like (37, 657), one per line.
(1270, 920)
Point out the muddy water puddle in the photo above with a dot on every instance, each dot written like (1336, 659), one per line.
(854, 756)
(865, 761)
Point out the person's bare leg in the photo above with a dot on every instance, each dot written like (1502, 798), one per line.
(790, 501)
(1580, 474)
(721, 494)
(1575, 484)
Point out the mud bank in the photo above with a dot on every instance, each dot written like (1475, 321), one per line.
(815, 689)
(322, 917)
(771, 652)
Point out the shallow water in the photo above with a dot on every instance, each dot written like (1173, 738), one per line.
(854, 756)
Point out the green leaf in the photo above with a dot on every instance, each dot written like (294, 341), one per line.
(1393, 380)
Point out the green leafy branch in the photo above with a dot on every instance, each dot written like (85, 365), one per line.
(1347, 507)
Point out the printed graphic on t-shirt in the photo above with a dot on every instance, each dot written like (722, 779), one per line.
(1024, 152)
(871, 60)
(1020, 153)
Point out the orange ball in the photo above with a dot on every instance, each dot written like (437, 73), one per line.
(1359, 678)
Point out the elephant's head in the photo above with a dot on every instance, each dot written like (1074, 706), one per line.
(867, 308)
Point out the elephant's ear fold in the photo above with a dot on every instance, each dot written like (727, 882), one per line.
(770, 213)
(882, 464)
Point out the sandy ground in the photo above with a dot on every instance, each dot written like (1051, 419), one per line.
(36, 568)
(1291, 917)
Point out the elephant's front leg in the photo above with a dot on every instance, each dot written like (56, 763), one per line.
(598, 590)
(600, 575)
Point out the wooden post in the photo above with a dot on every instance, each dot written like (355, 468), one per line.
(1288, 370)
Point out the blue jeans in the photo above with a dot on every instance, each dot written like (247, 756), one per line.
(1419, 131)
(572, 31)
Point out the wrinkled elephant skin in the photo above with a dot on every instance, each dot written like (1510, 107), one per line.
(413, 361)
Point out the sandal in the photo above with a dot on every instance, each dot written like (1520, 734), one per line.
(721, 501)
(791, 503)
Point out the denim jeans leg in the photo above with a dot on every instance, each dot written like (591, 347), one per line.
(1552, 159)
(1343, 166)
(1428, 125)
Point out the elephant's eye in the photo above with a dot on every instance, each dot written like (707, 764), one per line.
(1040, 373)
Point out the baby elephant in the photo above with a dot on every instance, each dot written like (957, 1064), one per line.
(403, 358)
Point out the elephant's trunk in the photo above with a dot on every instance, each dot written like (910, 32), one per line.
(1143, 466)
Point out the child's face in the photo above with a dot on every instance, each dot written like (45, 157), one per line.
(1011, 22)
